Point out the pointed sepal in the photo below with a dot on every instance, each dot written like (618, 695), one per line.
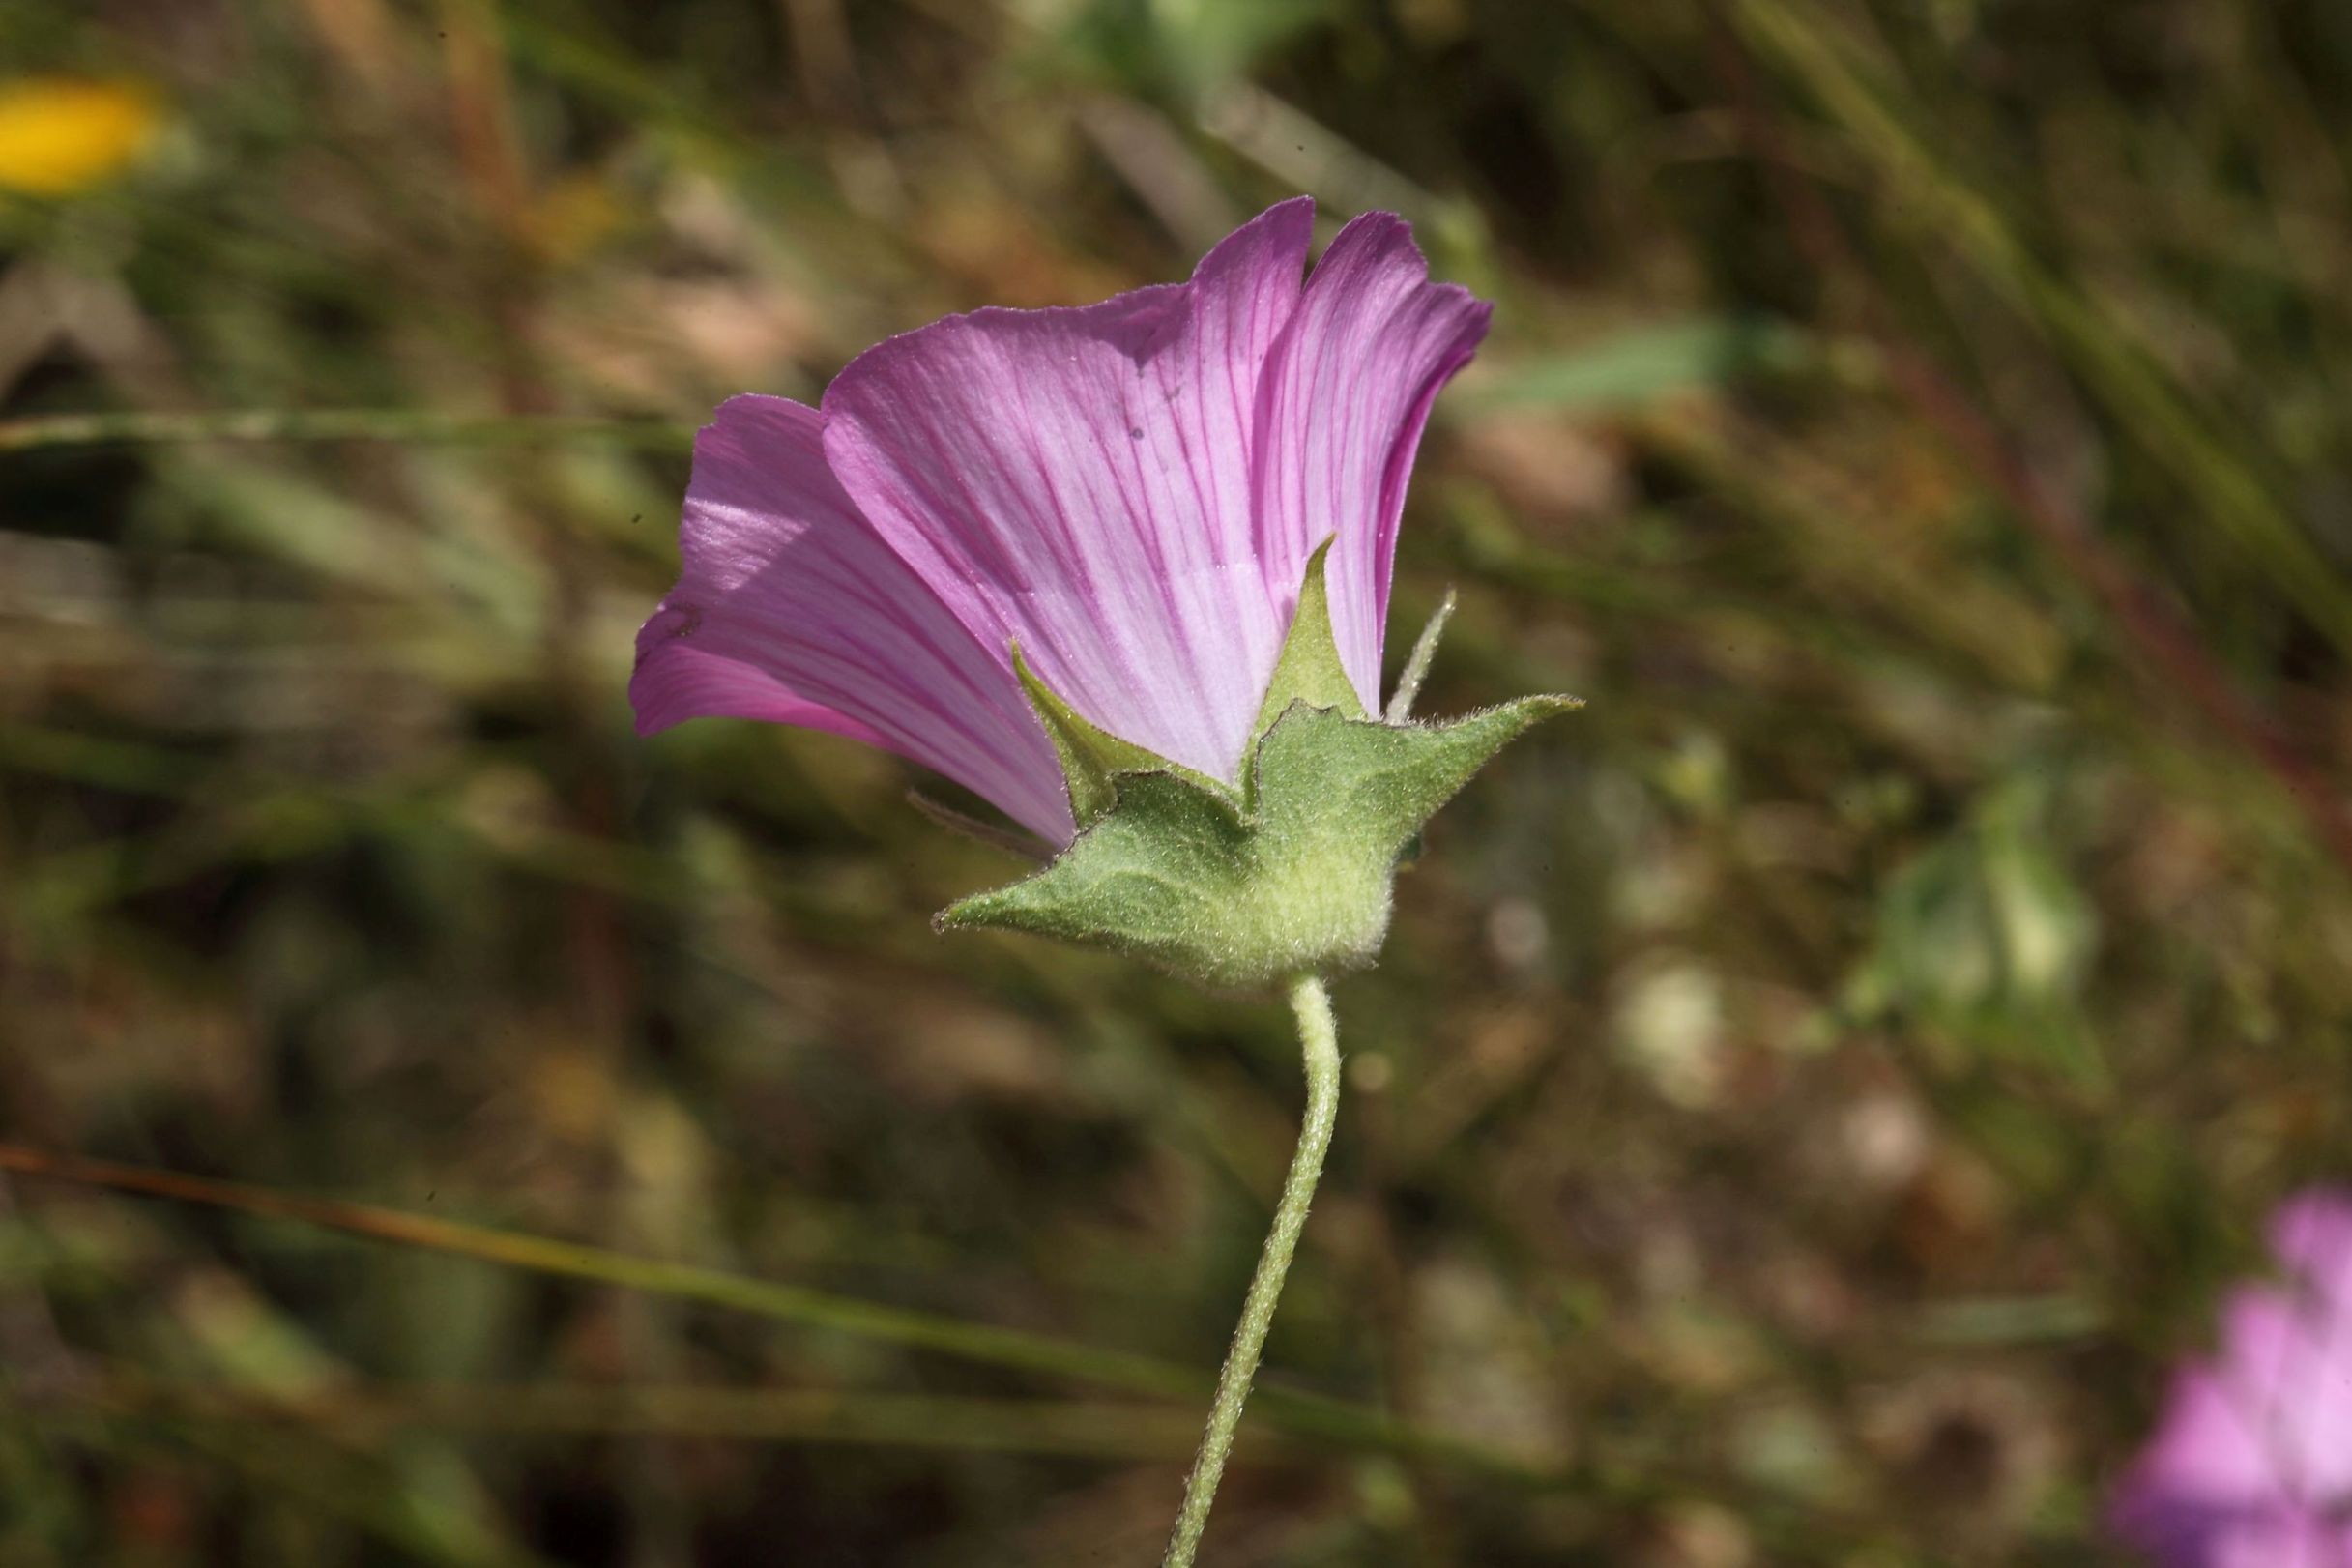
(1169, 864)
(1375, 785)
(1308, 669)
(1297, 880)
(1091, 758)
(1416, 664)
(1021, 845)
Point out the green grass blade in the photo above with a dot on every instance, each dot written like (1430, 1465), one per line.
(1334, 1420)
(2160, 417)
(143, 428)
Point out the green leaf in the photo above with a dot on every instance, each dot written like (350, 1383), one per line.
(1092, 757)
(1297, 880)
(1309, 669)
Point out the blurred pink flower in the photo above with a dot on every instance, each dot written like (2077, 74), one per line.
(2251, 1463)
(1130, 489)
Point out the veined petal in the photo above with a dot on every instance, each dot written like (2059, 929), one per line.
(790, 609)
(1341, 410)
(1081, 480)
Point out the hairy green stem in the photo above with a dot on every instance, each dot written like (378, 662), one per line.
(1319, 1037)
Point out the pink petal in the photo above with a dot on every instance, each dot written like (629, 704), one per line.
(2178, 1534)
(2270, 1418)
(2288, 1354)
(2205, 1493)
(1341, 410)
(2311, 1233)
(2252, 1462)
(2209, 1445)
(1080, 479)
(2281, 1538)
(791, 609)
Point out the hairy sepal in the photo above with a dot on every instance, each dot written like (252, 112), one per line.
(1308, 669)
(1092, 759)
(1295, 877)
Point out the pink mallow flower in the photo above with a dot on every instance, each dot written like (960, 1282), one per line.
(1129, 490)
(2251, 1463)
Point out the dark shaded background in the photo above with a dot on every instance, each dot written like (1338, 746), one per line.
(1811, 1096)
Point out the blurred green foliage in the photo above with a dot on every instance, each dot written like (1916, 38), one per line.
(1809, 1100)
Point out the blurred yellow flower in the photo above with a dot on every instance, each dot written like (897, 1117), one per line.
(59, 136)
(571, 218)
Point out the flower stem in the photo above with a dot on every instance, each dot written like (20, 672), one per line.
(1319, 1037)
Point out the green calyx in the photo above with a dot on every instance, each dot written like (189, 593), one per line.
(1289, 874)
